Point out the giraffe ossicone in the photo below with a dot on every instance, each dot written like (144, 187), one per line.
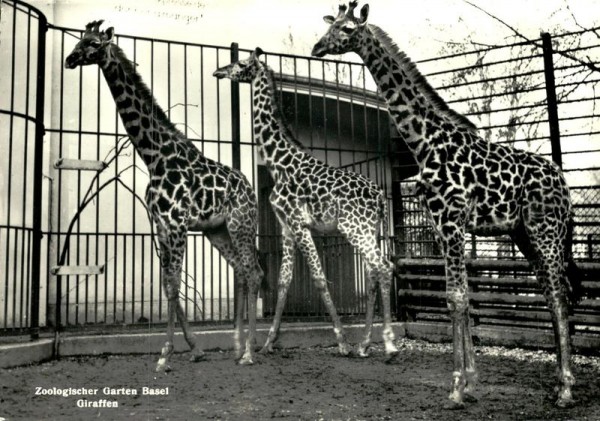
(467, 184)
(187, 192)
(309, 194)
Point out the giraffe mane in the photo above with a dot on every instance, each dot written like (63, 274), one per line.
(142, 90)
(277, 108)
(419, 79)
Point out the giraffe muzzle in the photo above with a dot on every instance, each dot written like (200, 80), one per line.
(319, 50)
(71, 61)
(220, 73)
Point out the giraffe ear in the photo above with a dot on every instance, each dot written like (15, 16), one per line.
(109, 34)
(329, 19)
(364, 14)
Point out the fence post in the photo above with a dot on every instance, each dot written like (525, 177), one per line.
(235, 113)
(551, 98)
(38, 155)
(235, 141)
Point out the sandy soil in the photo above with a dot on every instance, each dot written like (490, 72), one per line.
(307, 384)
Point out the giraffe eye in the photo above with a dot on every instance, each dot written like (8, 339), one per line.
(95, 43)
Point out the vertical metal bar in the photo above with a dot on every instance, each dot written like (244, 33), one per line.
(10, 170)
(202, 98)
(235, 113)
(551, 98)
(143, 277)
(124, 296)
(25, 263)
(134, 219)
(37, 177)
(235, 145)
(87, 278)
(195, 237)
(105, 281)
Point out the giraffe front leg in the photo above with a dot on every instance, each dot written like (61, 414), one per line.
(238, 332)
(388, 333)
(459, 379)
(283, 284)
(458, 306)
(363, 348)
(470, 370)
(196, 353)
(167, 350)
(248, 357)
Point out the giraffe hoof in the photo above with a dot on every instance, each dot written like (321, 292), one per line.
(163, 368)
(363, 352)
(246, 361)
(470, 398)
(391, 357)
(267, 349)
(201, 356)
(345, 350)
(566, 402)
(453, 405)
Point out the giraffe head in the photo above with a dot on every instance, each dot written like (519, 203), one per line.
(91, 49)
(344, 33)
(243, 71)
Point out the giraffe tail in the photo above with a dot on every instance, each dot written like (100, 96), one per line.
(574, 275)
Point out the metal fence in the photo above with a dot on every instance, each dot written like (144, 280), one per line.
(330, 106)
(48, 113)
(504, 90)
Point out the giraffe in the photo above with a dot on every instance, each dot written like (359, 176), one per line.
(309, 194)
(187, 192)
(466, 184)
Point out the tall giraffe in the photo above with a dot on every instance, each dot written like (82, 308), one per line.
(187, 191)
(309, 194)
(469, 185)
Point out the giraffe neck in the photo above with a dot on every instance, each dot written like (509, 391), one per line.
(276, 143)
(419, 113)
(147, 125)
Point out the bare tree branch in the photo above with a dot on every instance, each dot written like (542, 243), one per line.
(589, 64)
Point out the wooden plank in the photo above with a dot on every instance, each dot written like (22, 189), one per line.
(496, 298)
(486, 335)
(484, 264)
(480, 264)
(77, 270)
(79, 164)
(474, 280)
(481, 297)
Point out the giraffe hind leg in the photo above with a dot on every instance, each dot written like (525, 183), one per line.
(379, 274)
(220, 238)
(547, 258)
(285, 278)
(172, 246)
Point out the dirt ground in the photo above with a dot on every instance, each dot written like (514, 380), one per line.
(306, 384)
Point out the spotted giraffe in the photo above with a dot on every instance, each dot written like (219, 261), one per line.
(187, 191)
(469, 185)
(309, 194)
